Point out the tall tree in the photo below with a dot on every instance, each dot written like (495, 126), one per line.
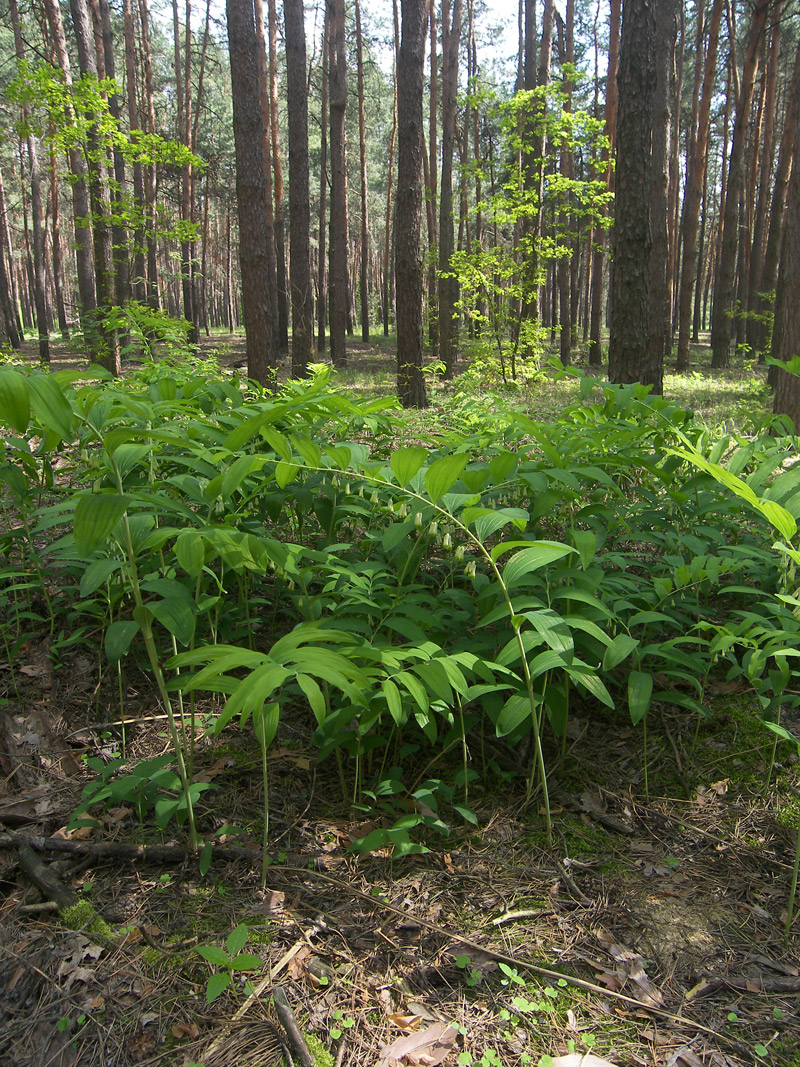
(337, 282)
(251, 193)
(786, 336)
(598, 254)
(725, 277)
(408, 254)
(448, 283)
(37, 207)
(634, 355)
(362, 152)
(299, 190)
(277, 174)
(695, 182)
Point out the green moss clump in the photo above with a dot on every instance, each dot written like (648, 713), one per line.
(322, 1057)
(788, 814)
(82, 916)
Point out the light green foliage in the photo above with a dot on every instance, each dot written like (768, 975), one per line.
(227, 962)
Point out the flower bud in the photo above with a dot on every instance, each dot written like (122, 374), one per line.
(469, 570)
(374, 499)
(347, 488)
(460, 553)
(390, 507)
(447, 542)
(433, 529)
(403, 511)
(418, 521)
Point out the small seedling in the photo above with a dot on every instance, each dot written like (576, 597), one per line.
(229, 959)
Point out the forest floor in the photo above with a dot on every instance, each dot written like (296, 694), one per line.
(650, 935)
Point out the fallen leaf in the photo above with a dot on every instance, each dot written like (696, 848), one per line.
(406, 1023)
(180, 1030)
(427, 1047)
(632, 966)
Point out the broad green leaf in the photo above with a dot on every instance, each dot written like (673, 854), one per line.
(118, 639)
(406, 462)
(266, 722)
(393, 701)
(553, 629)
(314, 696)
(783, 734)
(190, 551)
(214, 954)
(236, 474)
(516, 710)
(97, 574)
(340, 454)
(236, 940)
(175, 615)
(586, 543)
(539, 554)
(246, 961)
(15, 405)
(489, 520)
(309, 450)
(619, 649)
(50, 405)
(640, 690)
(216, 985)
(284, 472)
(443, 474)
(96, 516)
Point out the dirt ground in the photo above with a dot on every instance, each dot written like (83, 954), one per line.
(651, 934)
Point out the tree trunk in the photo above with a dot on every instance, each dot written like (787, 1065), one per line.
(337, 283)
(362, 151)
(432, 192)
(7, 297)
(448, 285)
(266, 151)
(726, 268)
(631, 357)
(149, 168)
(277, 171)
(567, 172)
(408, 254)
(251, 192)
(322, 287)
(695, 182)
(299, 190)
(37, 208)
(598, 255)
(387, 236)
(786, 335)
(119, 232)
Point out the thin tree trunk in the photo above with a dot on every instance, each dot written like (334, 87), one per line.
(277, 172)
(598, 256)
(695, 183)
(37, 208)
(448, 284)
(337, 283)
(726, 270)
(299, 190)
(567, 172)
(362, 147)
(58, 263)
(432, 180)
(408, 253)
(387, 238)
(119, 233)
(251, 191)
(149, 167)
(322, 287)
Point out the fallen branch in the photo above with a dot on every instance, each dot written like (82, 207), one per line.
(289, 1023)
(743, 985)
(51, 887)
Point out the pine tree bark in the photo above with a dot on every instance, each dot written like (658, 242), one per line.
(299, 190)
(37, 207)
(362, 151)
(251, 192)
(322, 234)
(337, 282)
(786, 335)
(631, 357)
(598, 255)
(153, 299)
(408, 253)
(448, 284)
(387, 236)
(277, 174)
(8, 303)
(726, 267)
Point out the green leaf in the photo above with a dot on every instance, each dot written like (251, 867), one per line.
(640, 690)
(488, 520)
(205, 859)
(246, 961)
(586, 543)
(216, 985)
(190, 551)
(284, 472)
(15, 405)
(96, 516)
(50, 405)
(118, 639)
(532, 558)
(619, 649)
(176, 616)
(266, 721)
(406, 462)
(443, 474)
(97, 574)
(314, 696)
(394, 701)
(516, 710)
(784, 734)
(215, 955)
(237, 939)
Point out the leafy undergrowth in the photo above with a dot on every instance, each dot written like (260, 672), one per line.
(288, 631)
